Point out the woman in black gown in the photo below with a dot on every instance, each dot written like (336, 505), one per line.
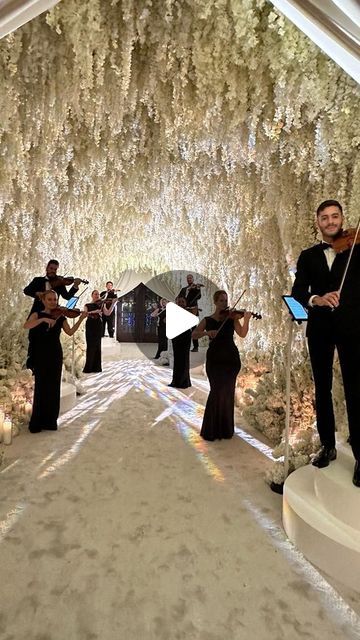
(222, 367)
(160, 314)
(181, 348)
(94, 331)
(47, 360)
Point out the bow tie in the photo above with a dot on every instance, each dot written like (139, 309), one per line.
(326, 245)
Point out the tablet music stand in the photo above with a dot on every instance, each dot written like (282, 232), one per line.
(297, 314)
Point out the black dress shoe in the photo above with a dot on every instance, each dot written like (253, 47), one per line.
(324, 457)
(356, 476)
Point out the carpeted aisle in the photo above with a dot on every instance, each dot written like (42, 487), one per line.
(124, 525)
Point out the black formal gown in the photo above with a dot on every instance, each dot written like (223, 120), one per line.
(93, 334)
(222, 367)
(181, 349)
(161, 331)
(47, 360)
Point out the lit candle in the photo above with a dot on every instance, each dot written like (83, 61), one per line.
(7, 431)
(2, 418)
(28, 408)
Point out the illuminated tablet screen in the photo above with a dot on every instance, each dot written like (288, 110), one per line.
(71, 304)
(296, 309)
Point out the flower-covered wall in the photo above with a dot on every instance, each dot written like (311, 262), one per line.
(167, 134)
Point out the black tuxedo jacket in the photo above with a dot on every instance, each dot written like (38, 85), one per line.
(193, 296)
(39, 284)
(313, 277)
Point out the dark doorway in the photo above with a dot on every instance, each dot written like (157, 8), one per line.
(133, 316)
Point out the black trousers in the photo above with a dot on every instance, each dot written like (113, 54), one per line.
(321, 348)
(110, 322)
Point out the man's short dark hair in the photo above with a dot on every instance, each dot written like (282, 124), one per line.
(109, 282)
(53, 262)
(328, 203)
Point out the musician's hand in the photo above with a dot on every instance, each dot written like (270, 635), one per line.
(77, 282)
(330, 299)
(212, 333)
(247, 315)
(84, 314)
(49, 321)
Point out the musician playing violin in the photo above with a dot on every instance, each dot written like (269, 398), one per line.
(47, 360)
(334, 323)
(192, 295)
(222, 366)
(96, 310)
(109, 319)
(44, 283)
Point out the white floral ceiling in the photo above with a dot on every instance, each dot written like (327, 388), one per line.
(162, 134)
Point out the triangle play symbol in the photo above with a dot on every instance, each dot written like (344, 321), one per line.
(178, 320)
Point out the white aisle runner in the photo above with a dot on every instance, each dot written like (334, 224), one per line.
(125, 525)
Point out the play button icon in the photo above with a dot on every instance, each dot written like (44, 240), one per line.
(178, 320)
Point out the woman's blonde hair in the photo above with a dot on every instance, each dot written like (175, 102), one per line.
(45, 293)
(217, 295)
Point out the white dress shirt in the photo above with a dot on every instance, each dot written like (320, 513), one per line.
(329, 254)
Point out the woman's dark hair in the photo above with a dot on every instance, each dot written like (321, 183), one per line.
(94, 291)
(217, 295)
(328, 203)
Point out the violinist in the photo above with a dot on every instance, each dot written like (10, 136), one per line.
(181, 349)
(109, 319)
(44, 283)
(160, 314)
(222, 365)
(47, 359)
(96, 311)
(333, 323)
(192, 295)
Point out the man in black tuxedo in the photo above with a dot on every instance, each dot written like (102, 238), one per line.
(109, 294)
(192, 295)
(43, 283)
(334, 322)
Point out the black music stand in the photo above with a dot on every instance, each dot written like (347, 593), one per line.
(297, 314)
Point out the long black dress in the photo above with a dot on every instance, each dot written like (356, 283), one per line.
(222, 367)
(181, 348)
(93, 334)
(161, 331)
(47, 360)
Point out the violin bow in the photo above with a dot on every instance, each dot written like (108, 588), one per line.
(80, 294)
(231, 309)
(349, 257)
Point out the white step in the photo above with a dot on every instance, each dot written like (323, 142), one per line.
(321, 517)
(334, 489)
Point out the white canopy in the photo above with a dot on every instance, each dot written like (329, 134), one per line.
(15, 13)
(334, 25)
(131, 279)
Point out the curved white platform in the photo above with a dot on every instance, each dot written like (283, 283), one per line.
(67, 396)
(321, 516)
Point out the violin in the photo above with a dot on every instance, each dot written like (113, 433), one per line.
(59, 281)
(64, 311)
(235, 314)
(345, 240)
